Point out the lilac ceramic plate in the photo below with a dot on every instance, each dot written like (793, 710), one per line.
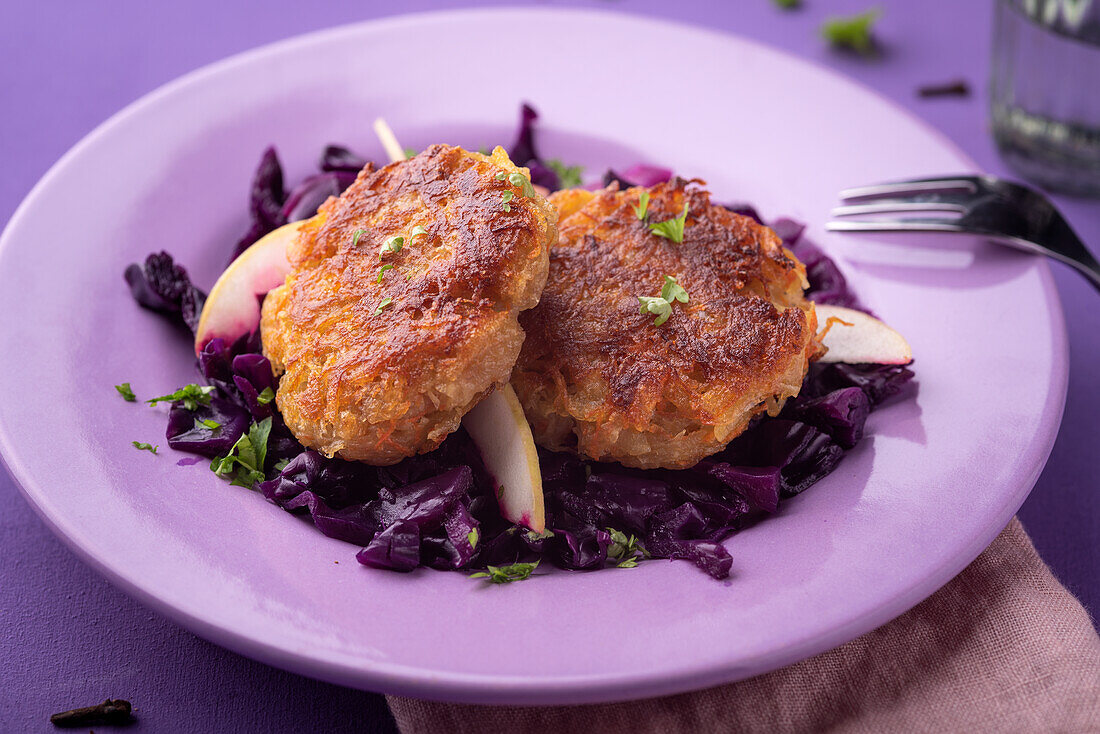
(902, 514)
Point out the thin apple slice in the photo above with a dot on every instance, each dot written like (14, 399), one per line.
(232, 309)
(503, 437)
(498, 427)
(859, 338)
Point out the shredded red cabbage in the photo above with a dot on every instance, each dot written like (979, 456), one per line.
(523, 152)
(162, 285)
(271, 207)
(438, 509)
(339, 158)
(640, 174)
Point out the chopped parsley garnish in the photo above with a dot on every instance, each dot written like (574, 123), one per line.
(506, 574)
(126, 393)
(417, 230)
(625, 550)
(788, 4)
(672, 229)
(515, 179)
(358, 233)
(643, 204)
(853, 32)
(145, 447)
(409, 153)
(192, 396)
(265, 396)
(661, 306)
(393, 244)
(569, 177)
(385, 302)
(472, 536)
(244, 463)
(210, 424)
(281, 464)
(382, 271)
(673, 291)
(518, 179)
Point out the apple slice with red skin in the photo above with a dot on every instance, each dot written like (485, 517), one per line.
(233, 309)
(855, 337)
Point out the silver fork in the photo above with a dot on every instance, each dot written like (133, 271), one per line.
(1005, 212)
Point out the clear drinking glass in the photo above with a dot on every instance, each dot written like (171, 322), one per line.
(1045, 95)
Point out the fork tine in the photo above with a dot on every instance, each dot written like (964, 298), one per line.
(914, 186)
(905, 224)
(927, 203)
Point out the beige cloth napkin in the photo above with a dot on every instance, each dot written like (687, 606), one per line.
(1003, 647)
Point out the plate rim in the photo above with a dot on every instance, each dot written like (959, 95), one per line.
(503, 689)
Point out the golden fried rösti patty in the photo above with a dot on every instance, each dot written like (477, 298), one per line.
(597, 377)
(380, 364)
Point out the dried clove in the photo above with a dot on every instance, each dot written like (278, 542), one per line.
(111, 711)
(957, 88)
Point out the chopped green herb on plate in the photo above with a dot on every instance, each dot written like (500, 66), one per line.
(852, 32)
(569, 177)
(506, 574)
(192, 396)
(244, 464)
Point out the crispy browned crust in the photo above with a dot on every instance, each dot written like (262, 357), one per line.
(597, 377)
(378, 388)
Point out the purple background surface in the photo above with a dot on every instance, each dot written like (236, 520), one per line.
(71, 639)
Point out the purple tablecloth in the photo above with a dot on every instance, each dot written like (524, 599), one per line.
(70, 639)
